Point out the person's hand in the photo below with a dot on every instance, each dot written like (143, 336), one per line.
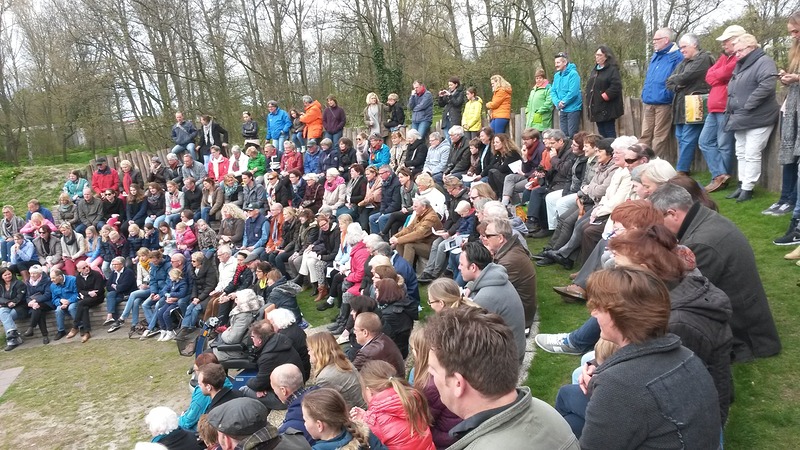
(156, 297)
(393, 240)
(585, 376)
(64, 302)
(195, 301)
(144, 286)
(357, 413)
(561, 105)
(172, 299)
(93, 293)
(260, 394)
(11, 305)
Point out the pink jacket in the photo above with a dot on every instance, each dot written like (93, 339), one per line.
(358, 257)
(387, 420)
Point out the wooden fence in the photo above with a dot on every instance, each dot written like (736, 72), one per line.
(630, 124)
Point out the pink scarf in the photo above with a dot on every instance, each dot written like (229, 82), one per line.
(331, 186)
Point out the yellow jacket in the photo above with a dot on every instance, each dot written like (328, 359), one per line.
(471, 119)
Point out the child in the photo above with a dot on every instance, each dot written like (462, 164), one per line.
(206, 239)
(150, 239)
(94, 249)
(475, 166)
(135, 239)
(467, 224)
(326, 420)
(397, 413)
(184, 239)
(165, 239)
(176, 289)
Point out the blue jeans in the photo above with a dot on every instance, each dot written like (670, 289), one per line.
(192, 315)
(180, 149)
(163, 315)
(422, 127)
(608, 128)
(571, 403)
(352, 212)
(717, 145)
(150, 307)
(5, 250)
(377, 222)
(334, 137)
(278, 143)
(79, 228)
(134, 303)
(789, 182)
(72, 310)
(298, 140)
(7, 318)
(499, 125)
(687, 135)
(586, 336)
(204, 213)
(569, 122)
(111, 303)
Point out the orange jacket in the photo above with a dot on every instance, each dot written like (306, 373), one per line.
(313, 120)
(500, 106)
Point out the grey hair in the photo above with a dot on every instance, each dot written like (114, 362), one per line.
(272, 103)
(691, 39)
(119, 259)
(623, 142)
(481, 203)
(380, 260)
(412, 133)
(288, 376)
(224, 249)
(371, 240)
(382, 248)
(636, 173)
(289, 144)
(435, 135)
(659, 171)
(307, 99)
(502, 226)
(282, 318)
(424, 201)
(456, 129)
(354, 234)
(161, 420)
(332, 172)
(671, 196)
(553, 133)
(668, 31)
(327, 142)
(495, 210)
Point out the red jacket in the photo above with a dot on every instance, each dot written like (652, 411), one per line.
(292, 161)
(387, 420)
(358, 257)
(718, 77)
(222, 167)
(103, 181)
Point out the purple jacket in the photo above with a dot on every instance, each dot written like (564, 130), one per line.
(333, 119)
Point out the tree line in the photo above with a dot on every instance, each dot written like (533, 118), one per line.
(117, 70)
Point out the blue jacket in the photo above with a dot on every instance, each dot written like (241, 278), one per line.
(158, 276)
(404, 269)
(197, 407)
(567, 88)
(184, 133)
(382, 156)
(178, 289)
(345, 438)
(662, 64)
(294, 414)
(391, 200)
(26, 252)
(44, 212)
(278, 122)
(311, 162)
(256, 232)
(421, 107)
(330, 160)
(68, 290)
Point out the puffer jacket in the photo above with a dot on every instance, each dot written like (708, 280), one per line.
(389, 421)
(358, 257)
(539, 112)
(599, 183)
(699, 315)
(500, 105)
(662, 64)
(688, 78)
(751, 93)
(313, 120)
(567, 88)
(471, 119)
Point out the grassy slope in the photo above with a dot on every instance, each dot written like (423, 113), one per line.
(766, 411)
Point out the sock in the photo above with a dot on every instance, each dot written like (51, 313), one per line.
(331, 300)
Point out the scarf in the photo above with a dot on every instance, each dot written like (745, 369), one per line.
(145, 263)
(542, 83)
(331, 186)
(230, 190)
(69, 240)
(153, 199)
(33, 282)
(207, 133)
(238, 273)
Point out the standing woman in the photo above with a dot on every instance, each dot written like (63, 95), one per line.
(500, 106)
(373, 116)
(604, 92)
(540, 105)
(752, 110)
(471, 119)
(249, 129)
(789, 154)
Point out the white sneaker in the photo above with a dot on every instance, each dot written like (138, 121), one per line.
(171, 335)
(556, 343)
(161, 335)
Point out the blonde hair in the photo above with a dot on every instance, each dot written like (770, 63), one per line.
(372, 95)
(175, 273)
(378, 376)
(134, 230)
(64, 198)
(794, 52)
(499, 82)
(329, 407)
(603, 349)
(420, 347)
(447, 291)
(327, 352)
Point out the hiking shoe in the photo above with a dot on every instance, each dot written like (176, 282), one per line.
(790, 238)
(556, 343)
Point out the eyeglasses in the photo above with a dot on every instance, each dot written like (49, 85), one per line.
(655, 39)
(487, 236)
(632, 160)
(385, 172)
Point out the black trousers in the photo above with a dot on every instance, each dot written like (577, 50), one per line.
(38, 316)
(82, 320)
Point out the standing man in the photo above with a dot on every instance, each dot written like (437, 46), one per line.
(478, 382)
(688, 78)
(421, 105)
(333, 121)
(656, 98)
(566, 95)
(212, 134)
(452, 100)
(716, 143)
(183, 134)
(278, 125)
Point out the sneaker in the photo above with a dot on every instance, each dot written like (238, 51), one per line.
(108, 321)
(161, 335)
(790, 238)
(783, 210)
(170, 336)
(556, 343)
(117, 325)
(771, 210)
(148, 334)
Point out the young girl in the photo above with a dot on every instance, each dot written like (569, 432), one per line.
(185, 239)
(398, 413)
(326, 420)
(94, 249)
(176, 289)
(165, 239)
(135, 238)
(443, 418)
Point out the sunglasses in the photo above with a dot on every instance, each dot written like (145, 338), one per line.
(632, 160)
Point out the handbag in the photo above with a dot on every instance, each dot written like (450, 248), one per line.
(696, 108)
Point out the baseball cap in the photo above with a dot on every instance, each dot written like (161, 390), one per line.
(241, 417)
(731, 31)
(311, 142)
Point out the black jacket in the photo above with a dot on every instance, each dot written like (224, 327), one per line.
(451, 224)
(290, 230)
(458, 160)
(396, 115)
(126, 283)
(346, 159)
(275, 351)
(205, 280)
(560, 174)
(390, 196)
(219, 134)
(689, 77)
(359, 190)
(608, 81)
(224, 395)
(453, 104)
(327, 244)
(416, 152)
(94, 281)
(298, 338)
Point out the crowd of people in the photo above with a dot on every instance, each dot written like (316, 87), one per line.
(236, 234)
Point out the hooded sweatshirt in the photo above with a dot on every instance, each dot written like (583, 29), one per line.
(496, 294)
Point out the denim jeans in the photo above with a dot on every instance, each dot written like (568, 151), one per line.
(192, 315)
(134, 303)
(569, 122)
(298, 140)
(717, 145)
(150, 307)
(571, 403)
(687, 135)
(377, 222)
(334, 137)
(499, 125)
(204, 213)
(7, 318)
(422, 127)
(586, 336)
(164, 315)
(607, 129)
(278, 143)
(5, 250)
(111, 303)
(789, 182)
(180, 149)
(72, 310)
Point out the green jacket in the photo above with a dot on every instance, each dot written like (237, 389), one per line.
(539, 109)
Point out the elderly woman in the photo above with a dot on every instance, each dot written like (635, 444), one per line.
(689, 77)
(416, 151)
(40, 301)
(335, 189)
(345, 265)
(752, 111)
(341, 263)
(417, 237)
(284, 322)
(162, 422)
(651, 379)
(231, 229)
(128, 175)
(241, 317)
(312, 199)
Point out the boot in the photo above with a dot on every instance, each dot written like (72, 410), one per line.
(315, 290)
(12, 340)
(737, 192)
(28, 332)
(341, 319)
(299, 280)
(322, 294)
(745, 196)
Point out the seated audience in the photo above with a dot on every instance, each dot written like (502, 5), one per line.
(375, 345)
(332, 369)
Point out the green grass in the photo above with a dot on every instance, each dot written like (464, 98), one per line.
(766, 410)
